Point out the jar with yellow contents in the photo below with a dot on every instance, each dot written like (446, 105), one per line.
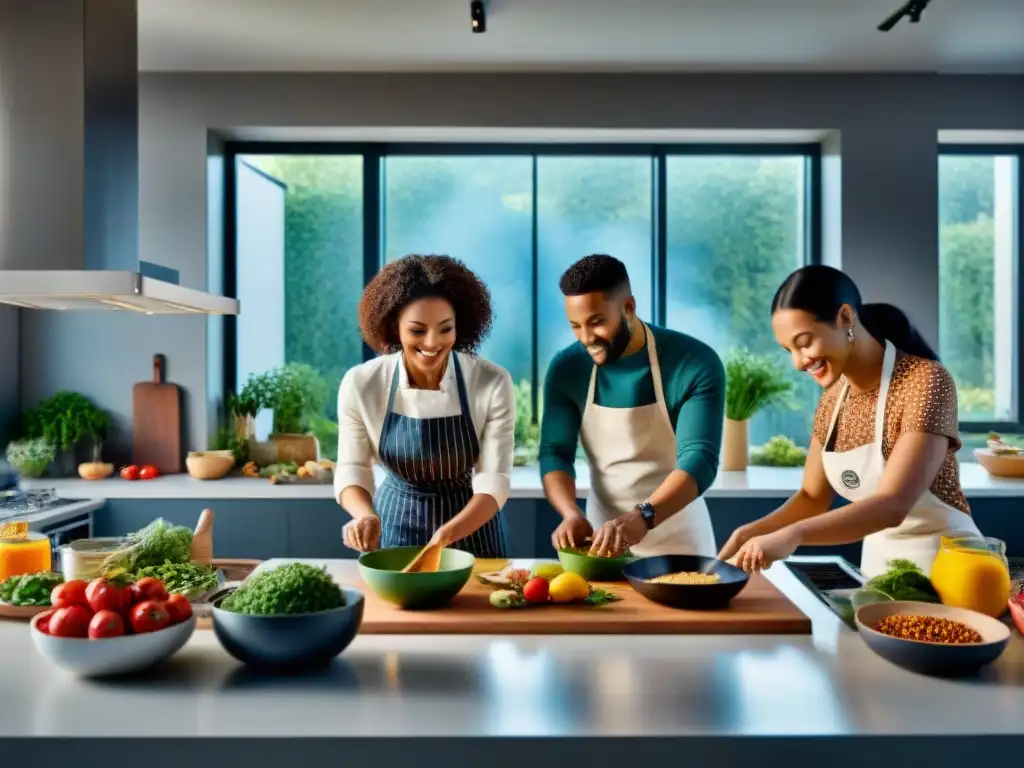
(22, 550)
(973, 573)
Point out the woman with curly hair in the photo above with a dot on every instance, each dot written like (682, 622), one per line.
(438, 419)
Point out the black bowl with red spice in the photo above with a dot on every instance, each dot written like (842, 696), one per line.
(932, 639)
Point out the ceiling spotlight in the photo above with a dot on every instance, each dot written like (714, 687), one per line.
(478, 15)
(911, 11)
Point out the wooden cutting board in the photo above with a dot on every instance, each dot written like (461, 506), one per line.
(156, 422)
(760, 609)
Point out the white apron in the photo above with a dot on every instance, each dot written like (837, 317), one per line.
(856, 474)
(630, 452)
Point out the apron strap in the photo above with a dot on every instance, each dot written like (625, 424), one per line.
(888, 363)
(460, 384)
(835, 414)
(652, 358)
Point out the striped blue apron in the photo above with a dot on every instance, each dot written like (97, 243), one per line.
(428, 479)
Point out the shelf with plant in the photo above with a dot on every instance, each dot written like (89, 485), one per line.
(67, 421)
(753, 382)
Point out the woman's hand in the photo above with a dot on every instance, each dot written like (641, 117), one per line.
(443, 536)
(362, 533)
(759, 552)
(739, 537)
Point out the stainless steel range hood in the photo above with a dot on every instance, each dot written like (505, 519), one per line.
(69, 165)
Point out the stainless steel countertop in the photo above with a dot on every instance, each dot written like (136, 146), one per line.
(829, 684)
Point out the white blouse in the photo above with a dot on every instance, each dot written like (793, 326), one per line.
(362, 406)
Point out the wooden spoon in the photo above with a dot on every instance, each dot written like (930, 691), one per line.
(427, 561)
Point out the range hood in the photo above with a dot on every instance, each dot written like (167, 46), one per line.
(69, 165)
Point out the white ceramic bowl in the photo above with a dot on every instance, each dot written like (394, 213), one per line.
(112, 655)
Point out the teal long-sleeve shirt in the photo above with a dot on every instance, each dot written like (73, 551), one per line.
(693, 378)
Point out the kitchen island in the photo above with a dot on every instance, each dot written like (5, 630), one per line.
(494, 701)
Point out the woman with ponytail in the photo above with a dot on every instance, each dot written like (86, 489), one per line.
(885, 434)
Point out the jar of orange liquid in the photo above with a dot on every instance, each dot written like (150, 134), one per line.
(22, 550)
(972, 573)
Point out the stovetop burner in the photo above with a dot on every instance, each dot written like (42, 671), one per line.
(17, 503)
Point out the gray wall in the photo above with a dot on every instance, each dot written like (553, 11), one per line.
(885, 198)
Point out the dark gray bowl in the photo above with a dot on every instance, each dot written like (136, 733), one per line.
(933, 658)
(288, 643)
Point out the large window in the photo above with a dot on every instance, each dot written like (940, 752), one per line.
(707, 236)
(979, 286)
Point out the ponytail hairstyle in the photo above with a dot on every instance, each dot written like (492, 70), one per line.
(822, 291)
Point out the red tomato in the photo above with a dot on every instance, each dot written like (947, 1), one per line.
(43, 623)
(149, 616)
(536, 590)
(69, 593)
(148, 472)
(104, 595)
(130, 472)
(72, 621)
(178, 608)
(151, 589)
(106, 624)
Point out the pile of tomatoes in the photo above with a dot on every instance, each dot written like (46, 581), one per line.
(102, 608)
(135, 472)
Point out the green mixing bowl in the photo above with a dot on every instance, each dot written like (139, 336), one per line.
(381, 570)
(594, 568)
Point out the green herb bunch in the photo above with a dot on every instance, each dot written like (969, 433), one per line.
(295, 392)
(904, 581)
(30, 588)
(160, 543)
(286, 590)
(187, 579)
(65, 420)
(752, 383)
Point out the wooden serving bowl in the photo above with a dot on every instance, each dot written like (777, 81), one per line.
(1000, 464)
(209, 465)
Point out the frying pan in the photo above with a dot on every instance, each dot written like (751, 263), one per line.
(694, 597)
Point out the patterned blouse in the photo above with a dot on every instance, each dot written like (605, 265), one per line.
(922, 398)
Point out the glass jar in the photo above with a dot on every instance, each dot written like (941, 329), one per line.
(972, 572)
(30, 553)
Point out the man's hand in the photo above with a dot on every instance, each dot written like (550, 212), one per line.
(616, 536)
(572, 532)
(362, 534)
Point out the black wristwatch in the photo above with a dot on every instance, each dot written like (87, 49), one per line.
(646, 509)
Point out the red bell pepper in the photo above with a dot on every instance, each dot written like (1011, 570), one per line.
(1016, 605)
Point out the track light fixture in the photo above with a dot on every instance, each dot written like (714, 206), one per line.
(478, 16)
(911, 11)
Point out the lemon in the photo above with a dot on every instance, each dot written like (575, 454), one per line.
(547, 571)
(566, 587)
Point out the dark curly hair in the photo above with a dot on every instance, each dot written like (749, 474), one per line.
(415, 277)
(593, 274)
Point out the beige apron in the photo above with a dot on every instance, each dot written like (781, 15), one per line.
(856, 474)
(630, 452)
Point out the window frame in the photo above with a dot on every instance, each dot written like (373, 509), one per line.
(374, 155)
(992, 150)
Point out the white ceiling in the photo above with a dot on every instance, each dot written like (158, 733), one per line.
(977, 36)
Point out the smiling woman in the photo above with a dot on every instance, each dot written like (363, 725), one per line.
(438, 419)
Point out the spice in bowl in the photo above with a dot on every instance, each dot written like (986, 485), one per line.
(927, 629)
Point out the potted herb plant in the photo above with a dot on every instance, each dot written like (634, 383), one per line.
(752, 383)
(31, 457)
(297, 395)
(66, 420)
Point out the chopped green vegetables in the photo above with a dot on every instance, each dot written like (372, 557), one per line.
(286, 468)
(30, 588)
(904, 581)
(161, 542)
(286, 590)
(186, 579)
